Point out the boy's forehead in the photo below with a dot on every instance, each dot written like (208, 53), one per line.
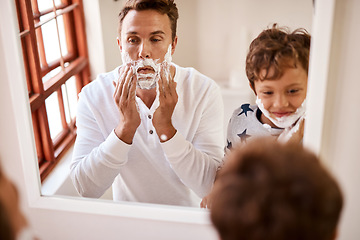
(289, 76)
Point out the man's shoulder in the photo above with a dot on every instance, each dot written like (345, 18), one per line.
(101, 89)
(191, 76)
(103, 82)
(189, 72)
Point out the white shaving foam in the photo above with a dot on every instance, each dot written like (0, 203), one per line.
(286, 135)
(282, 122)
(148, 80)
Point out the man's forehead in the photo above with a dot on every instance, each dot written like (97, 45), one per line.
(146, 18)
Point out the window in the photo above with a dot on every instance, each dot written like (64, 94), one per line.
(54, 48)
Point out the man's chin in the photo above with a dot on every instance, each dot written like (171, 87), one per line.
(146, 83)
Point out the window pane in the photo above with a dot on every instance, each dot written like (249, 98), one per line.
(53, 113)
(51, 42)
(51, 74)
(64, 49)
(46, 4)
(70, 98)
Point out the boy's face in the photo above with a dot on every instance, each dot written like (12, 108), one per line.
(281, 97)
(146, 34)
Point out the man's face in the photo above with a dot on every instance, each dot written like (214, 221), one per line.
(146, 34)
(281, 97)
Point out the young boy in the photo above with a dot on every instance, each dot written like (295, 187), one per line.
(276, 66)
(269, 190)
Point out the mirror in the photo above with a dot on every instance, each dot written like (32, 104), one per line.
(213, 38)
(160, 221)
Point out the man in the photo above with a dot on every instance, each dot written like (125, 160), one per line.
(150, 128)
(269, 190)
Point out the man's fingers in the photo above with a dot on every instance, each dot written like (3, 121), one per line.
(120, 83)
(126, 84)
(132, 90)
(162, 83)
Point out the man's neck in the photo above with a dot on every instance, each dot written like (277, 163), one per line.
(147, 96)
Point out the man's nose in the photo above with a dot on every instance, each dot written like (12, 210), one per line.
(144, 51)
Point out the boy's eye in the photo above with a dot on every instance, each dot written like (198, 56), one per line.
(268, 92)
(292, 91)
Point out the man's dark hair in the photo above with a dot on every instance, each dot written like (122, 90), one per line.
(167, 7)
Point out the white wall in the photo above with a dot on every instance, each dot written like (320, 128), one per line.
(226, 29)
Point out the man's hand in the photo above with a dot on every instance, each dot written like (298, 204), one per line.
(168, 99)
(124, 97)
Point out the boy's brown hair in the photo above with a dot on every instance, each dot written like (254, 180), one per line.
(276, 49)
(274, 191)
(162, 6)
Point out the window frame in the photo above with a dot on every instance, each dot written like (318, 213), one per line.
(50, 150)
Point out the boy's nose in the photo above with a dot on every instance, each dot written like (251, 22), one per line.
(281, 101)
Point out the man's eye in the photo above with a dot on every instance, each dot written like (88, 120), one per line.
(155, 40)
(132, 40)
(268, 93)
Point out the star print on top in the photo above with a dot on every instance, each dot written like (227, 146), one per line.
(243, 136)
(245, 124)
(245, 108)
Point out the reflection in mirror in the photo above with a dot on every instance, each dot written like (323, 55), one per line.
(212, 37)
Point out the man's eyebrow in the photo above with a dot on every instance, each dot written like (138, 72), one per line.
(158, 32)
(152, 33)
(131, 33)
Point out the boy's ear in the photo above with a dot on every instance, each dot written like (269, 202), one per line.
(251, 86)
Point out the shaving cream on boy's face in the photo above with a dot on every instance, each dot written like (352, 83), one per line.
(147, 71)
(282, 122)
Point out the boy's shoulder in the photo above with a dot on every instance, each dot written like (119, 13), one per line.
(245, 110)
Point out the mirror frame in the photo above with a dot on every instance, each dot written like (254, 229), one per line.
(318, 71)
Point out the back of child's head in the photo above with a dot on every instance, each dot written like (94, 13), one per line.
(276, 49)
(274, 191)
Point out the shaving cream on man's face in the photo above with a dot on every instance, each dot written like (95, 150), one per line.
(282, 122)
(141, 68)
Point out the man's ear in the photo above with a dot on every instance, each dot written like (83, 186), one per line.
(173, 45)
(119, 43)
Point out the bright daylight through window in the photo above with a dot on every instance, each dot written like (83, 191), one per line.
(53, 40)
